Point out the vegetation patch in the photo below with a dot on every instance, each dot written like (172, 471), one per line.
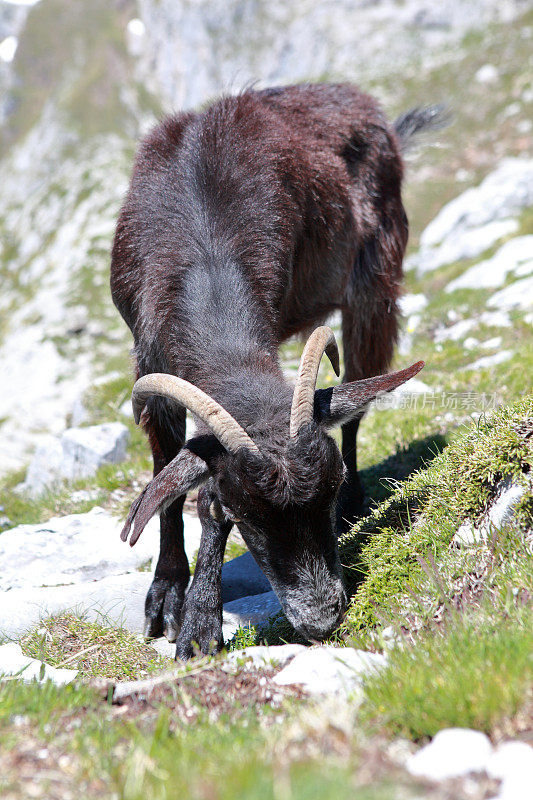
(385, 553)
(92, 647)
(476, 673)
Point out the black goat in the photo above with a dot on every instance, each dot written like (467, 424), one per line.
(245, 224)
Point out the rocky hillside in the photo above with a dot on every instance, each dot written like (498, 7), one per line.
(437, 639)
(82, 81)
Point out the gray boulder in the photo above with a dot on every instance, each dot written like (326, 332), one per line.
(70, 550)
(478, 218)
(77, 453)
(242, 577)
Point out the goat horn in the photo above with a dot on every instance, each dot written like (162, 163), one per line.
(321, 341)
(224, 426)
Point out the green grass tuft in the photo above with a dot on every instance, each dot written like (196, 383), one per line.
(93, 647)
(477, 673)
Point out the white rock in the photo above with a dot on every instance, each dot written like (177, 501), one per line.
(412, 304)
(276, 655)
(500, 514)
(512, 763)
(510, 757)
(495, 319)
(490, 361)
(490, 344)
(503, 508)
(465, 244)
(13, 663)
(517, 295)
(70, 550)
(514, 256)
(117, 600)
(78, 548)
(86, 449)
(501, 195)
(455, 332)
(78, 453)
(470, 343)
(326, 669)
(487, 74)
(126, 409)
(451, 753)
(478, 218)
(466, 534)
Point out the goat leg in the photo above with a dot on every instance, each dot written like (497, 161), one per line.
(201, 617)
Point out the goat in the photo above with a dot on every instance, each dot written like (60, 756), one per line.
(246, 223)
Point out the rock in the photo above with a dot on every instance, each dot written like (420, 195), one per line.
(117, 600)
(330, 670)
(503, 508)
(512, 763)
(244, 611)
(284, 42)
(242, 577)
(489, 361)
(478, 218)
(501, 195)
(466, 244)
(78, 453)
(86, 449)
(14, 663)
(276, 655)
(455, 332)
(491, 344)
(70, 550)
(500, 514)
(78, 548)
(514, 256)
(495, 319)
(126, 409)
(487, 74)
(517, 295)
(412, 304)
(451, 753)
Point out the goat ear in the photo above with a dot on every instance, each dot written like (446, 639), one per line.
(184, 472)
(342, 403)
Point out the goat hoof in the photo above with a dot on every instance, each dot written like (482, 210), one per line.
(148, 628)
(162, 609)
(171, 633)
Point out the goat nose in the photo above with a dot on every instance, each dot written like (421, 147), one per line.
(320, 627)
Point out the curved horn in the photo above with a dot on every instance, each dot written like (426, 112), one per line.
(226, 429)
(321, 341)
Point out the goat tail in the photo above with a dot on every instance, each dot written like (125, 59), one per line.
(419, 120)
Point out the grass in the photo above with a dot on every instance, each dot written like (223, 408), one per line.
(154, 753)
(476, 673)
(382, 553)
(94, 648)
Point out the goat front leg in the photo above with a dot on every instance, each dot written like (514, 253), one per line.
(201, 621)
(162, 608)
